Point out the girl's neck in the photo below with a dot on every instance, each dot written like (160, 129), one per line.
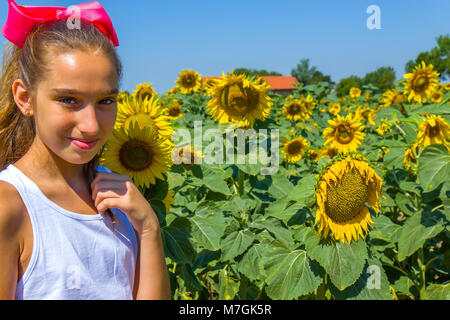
(42, 164)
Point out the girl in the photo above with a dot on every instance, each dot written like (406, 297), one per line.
(69, 229)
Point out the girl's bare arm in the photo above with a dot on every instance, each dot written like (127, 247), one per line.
(152, 278)
(11, 221)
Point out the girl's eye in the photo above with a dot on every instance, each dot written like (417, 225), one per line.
(67, 100)
(108, 101)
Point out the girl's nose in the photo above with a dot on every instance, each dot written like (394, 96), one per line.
(88, 123)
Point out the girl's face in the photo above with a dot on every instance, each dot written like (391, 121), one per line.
(76, 106)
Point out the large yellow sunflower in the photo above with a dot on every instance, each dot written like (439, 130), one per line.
(293, 149)
(421, 82)
(189, 81)
(433, 130)
(344, 133)
(146, 112)
(138, 152)
(144, 90)
(237, 99)
(342, 191)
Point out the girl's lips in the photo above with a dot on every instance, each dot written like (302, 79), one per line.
(83, 144)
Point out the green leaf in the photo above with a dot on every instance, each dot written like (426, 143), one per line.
(438, 292)
(373, 284)
(406, 285)
(190, 279)
(175, 179)
(434, 167)
(236, 243)
(275, 227)
(251, 263)
(207, 229)
(343, 262)
(177, 245)
(228, 286)
(433, 108)
(281, 210)
(280, 187)
(290, 274)
(384, 229)
(304, 191)
(416, 230)
(394, 158)
(213, 178)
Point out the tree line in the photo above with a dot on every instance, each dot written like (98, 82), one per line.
(380, 80)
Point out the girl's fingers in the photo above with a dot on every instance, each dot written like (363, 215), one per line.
(106, 204)
(106, 185)
(105, 193)
(106, 176)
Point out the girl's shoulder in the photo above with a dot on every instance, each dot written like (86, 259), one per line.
(12, 211)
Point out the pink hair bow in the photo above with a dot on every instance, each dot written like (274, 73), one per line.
(22, 19)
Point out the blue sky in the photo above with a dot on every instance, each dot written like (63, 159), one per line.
(158, 39)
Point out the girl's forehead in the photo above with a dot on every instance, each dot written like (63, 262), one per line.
(81, 71)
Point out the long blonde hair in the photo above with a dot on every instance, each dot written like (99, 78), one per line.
(31, 64)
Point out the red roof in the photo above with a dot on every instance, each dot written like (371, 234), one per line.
(275, 82)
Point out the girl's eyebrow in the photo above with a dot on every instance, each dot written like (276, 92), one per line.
(75, 92)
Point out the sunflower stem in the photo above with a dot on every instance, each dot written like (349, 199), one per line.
(423, 269)
(241, 176)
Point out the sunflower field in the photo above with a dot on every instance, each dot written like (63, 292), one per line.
(358, 209)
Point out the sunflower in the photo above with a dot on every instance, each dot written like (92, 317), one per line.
(186, 155)
(237, 99)
(144, 90)
(383, 127)
(146, 112)
(169, 200)
(327, 152)
(121, 96)
(344, 133)
(447, 86)
(208, 84)
(297, 110)
(436, 96)
(173, 91)
(293, 149)
(409, 158)
(390, 97)
(421, 82)
(355, 92)
(189, 81)
(366, 114)
(433, 130)
(173, 110)
(344, 188)
(138, 152)
(313, 154)
(334, 108)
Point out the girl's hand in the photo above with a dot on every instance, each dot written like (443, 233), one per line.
(112, 190)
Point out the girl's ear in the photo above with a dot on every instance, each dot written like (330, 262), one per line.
(22, 97)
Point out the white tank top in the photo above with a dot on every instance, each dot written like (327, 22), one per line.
(75, 256)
